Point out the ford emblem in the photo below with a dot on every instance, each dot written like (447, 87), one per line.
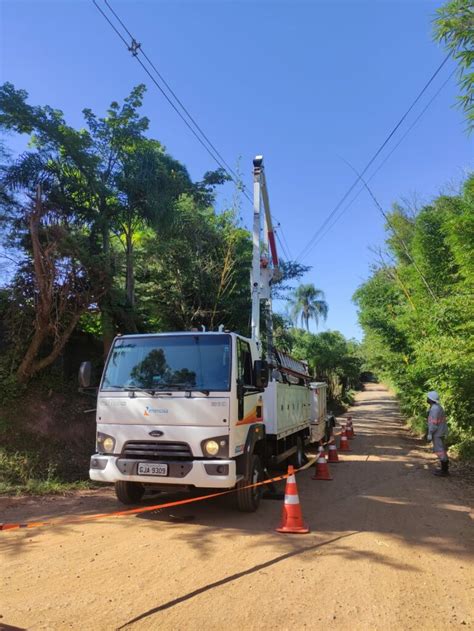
(156, 432)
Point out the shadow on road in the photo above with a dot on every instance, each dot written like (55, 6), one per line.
(382, 487)
(233, 577)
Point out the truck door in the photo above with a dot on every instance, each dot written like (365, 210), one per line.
(249, 404)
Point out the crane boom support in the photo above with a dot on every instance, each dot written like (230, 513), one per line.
(263, 271)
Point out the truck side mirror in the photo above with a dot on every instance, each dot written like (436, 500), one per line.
(261, 373)
(85, 374)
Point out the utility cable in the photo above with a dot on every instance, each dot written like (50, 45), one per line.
(173, 93)
(285, 244)
(283, 249)
(278, 229)
(311, 242)
(136, 49)
(395, 233)
(414, 123)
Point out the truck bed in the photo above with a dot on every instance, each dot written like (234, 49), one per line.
(286, 408)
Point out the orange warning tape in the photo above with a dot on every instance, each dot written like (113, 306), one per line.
(136, 511)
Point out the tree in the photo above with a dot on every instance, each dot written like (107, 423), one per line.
(113, 183)
(122, 239)
(56, 280)
(196, 271)
(420, 339)
(454, 27)
(63, 291)
(78, 168)
(330, 356)
(308, 303)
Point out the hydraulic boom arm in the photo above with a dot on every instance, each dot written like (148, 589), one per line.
(262, 272)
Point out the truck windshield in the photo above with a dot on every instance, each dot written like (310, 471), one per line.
(174, 362)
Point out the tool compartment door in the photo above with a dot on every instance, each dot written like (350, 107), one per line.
(287, 408)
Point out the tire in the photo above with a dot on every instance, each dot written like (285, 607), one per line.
(298, 459)
(129, 492)
(248, 500)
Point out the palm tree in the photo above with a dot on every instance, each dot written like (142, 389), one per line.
(308, 302)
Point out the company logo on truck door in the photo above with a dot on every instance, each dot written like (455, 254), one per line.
(149, 410)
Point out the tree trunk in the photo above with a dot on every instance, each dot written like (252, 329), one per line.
(30, 365)
(48, 314)
(106, 312)
(42, 275)
(130, 278)
(25, 370)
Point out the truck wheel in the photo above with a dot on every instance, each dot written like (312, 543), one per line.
(248, 500)
(298, 459)
(129, 492)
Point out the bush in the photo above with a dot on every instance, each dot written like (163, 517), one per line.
(418, 313)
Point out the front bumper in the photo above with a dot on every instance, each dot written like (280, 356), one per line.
(194, 473)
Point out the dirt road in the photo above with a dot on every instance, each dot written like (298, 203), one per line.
(391, 547)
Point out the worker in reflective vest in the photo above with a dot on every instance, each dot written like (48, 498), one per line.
(437, 431)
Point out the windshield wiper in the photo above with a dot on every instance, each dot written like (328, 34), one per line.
(133, 389)
(191, 390)
(157, 390)
(174, 386)
(186, 387)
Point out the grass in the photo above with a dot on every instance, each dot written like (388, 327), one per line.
(26, 473)
(43, 487)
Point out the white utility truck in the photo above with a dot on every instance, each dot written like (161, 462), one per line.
(203, 409)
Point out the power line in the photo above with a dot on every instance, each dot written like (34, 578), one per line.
(112, 25)
(285, 241)
(395, 233)
(178, 100)
(414, 123)
(311, 242)
(136, 49)
(283, 249)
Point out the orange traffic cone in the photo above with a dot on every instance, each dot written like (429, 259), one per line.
(332, 453)
(322, 469)
(291, 516)
(321, 451)
(350, 428)
(343, 442)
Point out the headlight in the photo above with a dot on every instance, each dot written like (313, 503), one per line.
(105, 443)
(108, 444)
(217, 447)
(211, 447)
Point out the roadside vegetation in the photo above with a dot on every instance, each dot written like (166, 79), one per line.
(331, 358)
(417, 307)
(104, 232)
(417, 311)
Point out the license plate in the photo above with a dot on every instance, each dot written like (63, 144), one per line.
(147, 468)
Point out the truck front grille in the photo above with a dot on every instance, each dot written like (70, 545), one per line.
(156, 450)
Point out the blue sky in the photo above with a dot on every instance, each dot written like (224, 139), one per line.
(304, 83)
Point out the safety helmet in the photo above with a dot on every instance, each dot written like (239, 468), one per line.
(433, 396)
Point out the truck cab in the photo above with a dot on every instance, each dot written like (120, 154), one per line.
(176, 409)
